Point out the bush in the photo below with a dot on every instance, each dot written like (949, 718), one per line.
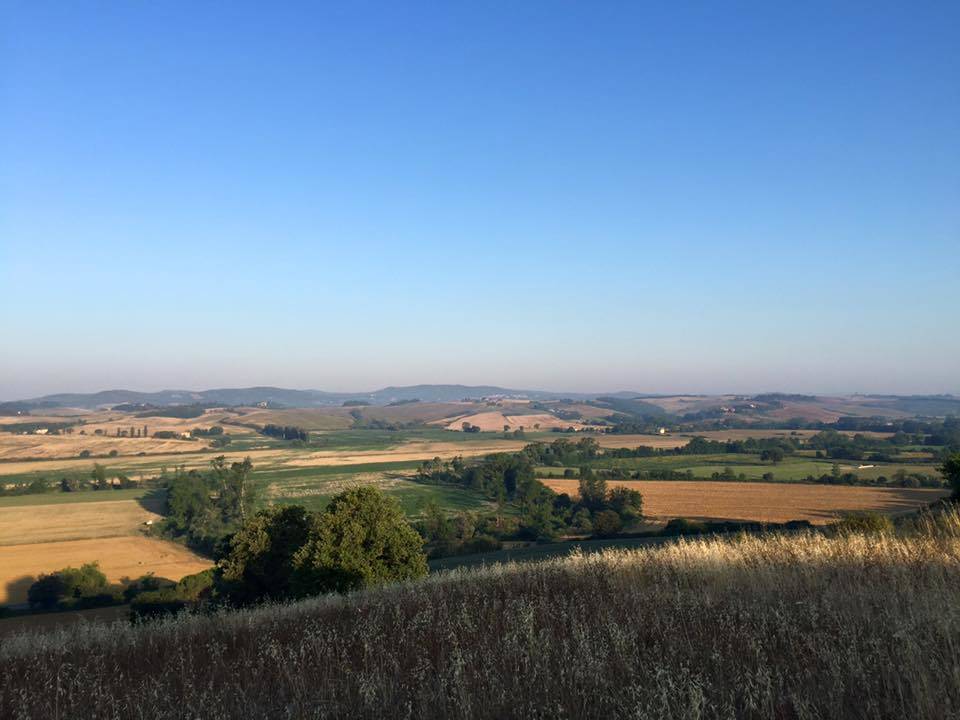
(68, 587)
(46, 592)
(606, 523)
(683, 526)
(146, 583)
(157, 603)
(869, 522)
(193, 587)
(481, 543)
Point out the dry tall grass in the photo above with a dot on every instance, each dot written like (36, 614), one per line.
(801, 626)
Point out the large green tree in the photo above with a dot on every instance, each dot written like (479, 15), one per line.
(258, 563)
(593, 489)
(951, 471)
(361, 539)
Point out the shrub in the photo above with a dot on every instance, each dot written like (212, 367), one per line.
(193, 587)
(146, 583)
(481, 543)
(683, 526)
(68, 587)
(868, 522)
(46, 592)
(951, 472)
(606, 523)
(157, 603)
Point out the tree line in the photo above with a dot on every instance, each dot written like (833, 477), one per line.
(285, 432)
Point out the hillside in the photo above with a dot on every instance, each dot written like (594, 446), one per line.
(278, 396)
(805, 625)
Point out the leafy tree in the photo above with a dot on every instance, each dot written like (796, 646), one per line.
(593, 489)
(436, 524)
(361, 539)
(46, 592)
(582, 521)
(146, 583)
(627, 503)
(258, 564)
(49, 591)
(99, 476)
(773, 455)
(951, 471)
(607, 523)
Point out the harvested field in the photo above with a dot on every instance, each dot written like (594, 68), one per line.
(46, 418)
(132, 465)
(763, 502)
(195, 454)
(632, 441)
(416, 412)
(109, 424)
(590, 412)
(121, 557)
(680, 404)
(339, 418)
(744, 433)
(27, 524)
(493, 421)
(24, 447)
(413, 450)
(306, 418)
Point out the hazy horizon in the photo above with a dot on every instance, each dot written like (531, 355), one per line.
(569, 197)
(554, 390)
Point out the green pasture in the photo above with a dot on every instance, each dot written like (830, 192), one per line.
(791, 469)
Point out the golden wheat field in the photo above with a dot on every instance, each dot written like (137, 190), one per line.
(24, 447)
(74, 521)
(763, 502)
(119, 557)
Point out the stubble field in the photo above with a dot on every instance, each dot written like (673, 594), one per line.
(119, 557)
(763, 502)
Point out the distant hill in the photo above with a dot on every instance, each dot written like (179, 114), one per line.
(284, 397)
(633, 403)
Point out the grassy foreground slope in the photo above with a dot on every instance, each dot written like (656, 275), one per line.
(798, 626)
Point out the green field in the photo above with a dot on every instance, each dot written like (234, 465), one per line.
(791, 469)
(55, 497)
(313, 487)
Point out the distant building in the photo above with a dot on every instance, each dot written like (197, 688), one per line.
(41, 431)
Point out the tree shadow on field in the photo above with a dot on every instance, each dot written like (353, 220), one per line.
(154, 500)
(17, 590)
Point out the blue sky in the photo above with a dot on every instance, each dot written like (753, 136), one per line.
(582, 196)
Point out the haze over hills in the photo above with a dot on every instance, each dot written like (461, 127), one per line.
(299, 398)
(656, 403)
